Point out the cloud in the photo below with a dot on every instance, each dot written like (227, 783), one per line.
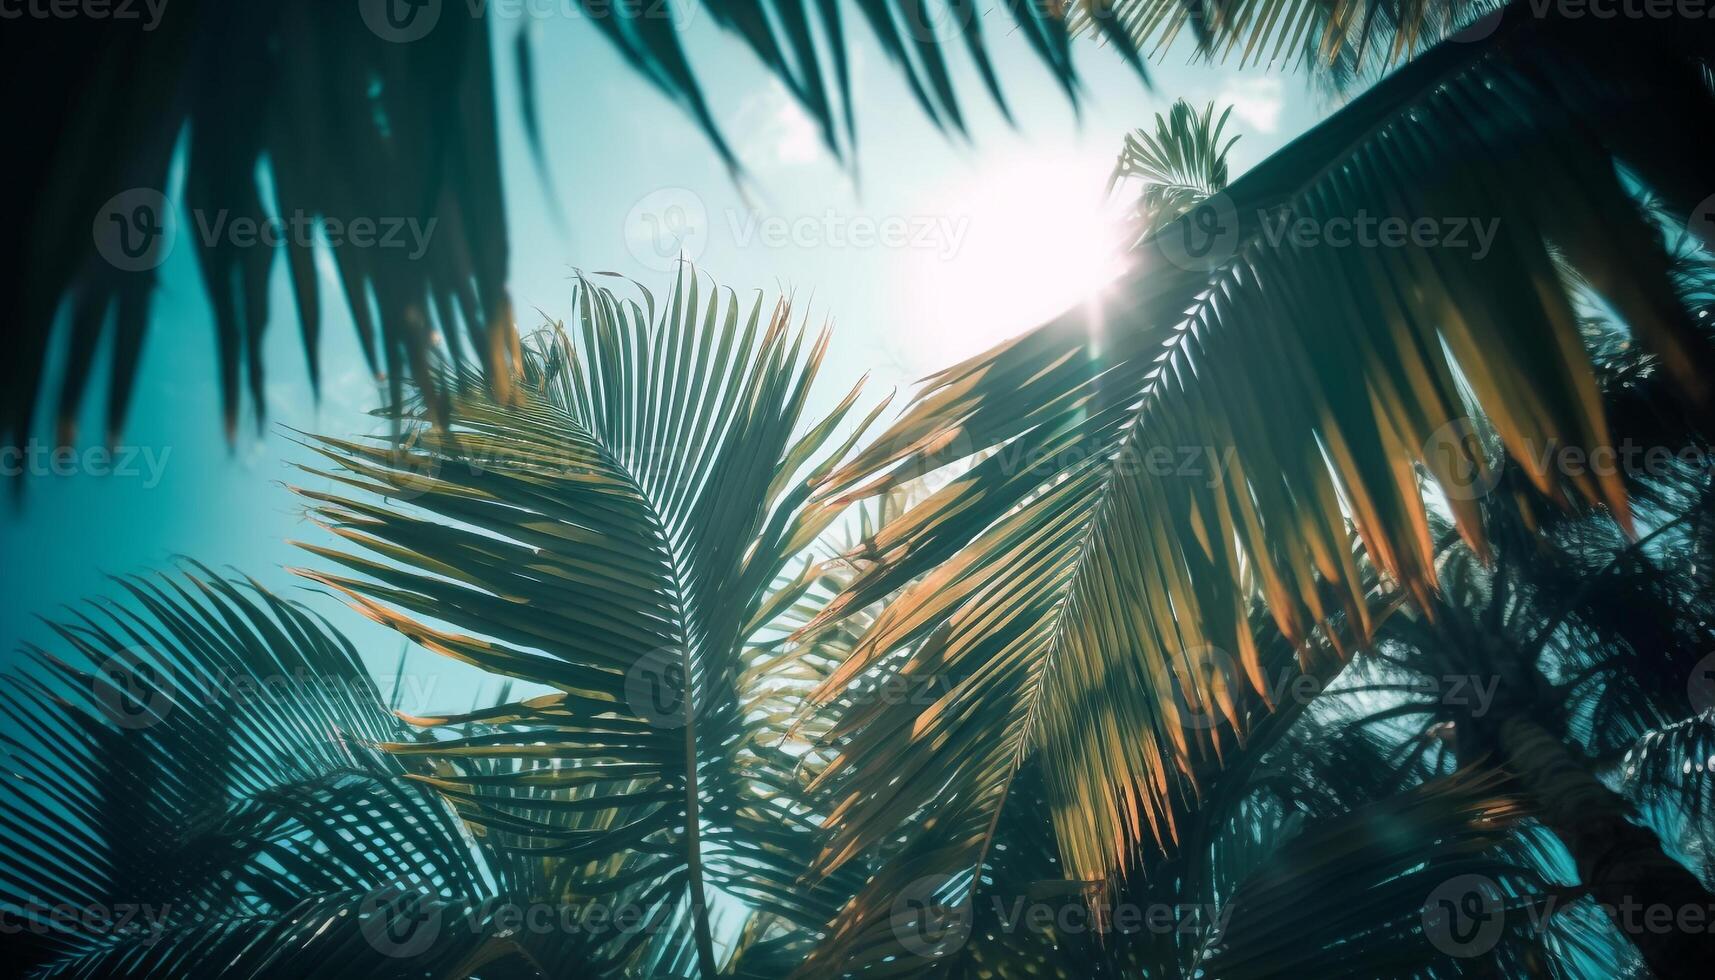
(778, 133)
(1257, 101)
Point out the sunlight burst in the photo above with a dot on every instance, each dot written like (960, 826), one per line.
(1030, 238)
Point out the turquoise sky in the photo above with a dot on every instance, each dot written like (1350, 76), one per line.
(617, 149)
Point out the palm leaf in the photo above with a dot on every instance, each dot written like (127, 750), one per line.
(1348, 897)
(1090, 603)
(298, 116)
(198, 756)
(620, 536)
(1180, 165)
(292, 113)
(1343, 40)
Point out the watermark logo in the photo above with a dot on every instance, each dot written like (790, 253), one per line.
(937, 21)
(656, 687)
(1209, 668)
(1701, 224)
(134, 230)
(400, 21)
(1464, 916)
(412, 469)
(665, 226)
(1701, 687)
(1471, 235)
(942, 234)
(1478, 29)
(1456, 456)
(398, 923)
(302, 228)
(132, 691)
(927, 926)
(1204, 671)
(142, 924)
(1203, 238)
(120, 462)
(146, 12)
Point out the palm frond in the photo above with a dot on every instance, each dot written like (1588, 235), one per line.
(1666, 774)
(619, 539)
(1361, 895)
(199, 757)
(1347, 42)
(803, 43)
(352, 120)
(1089, 599)
(1181, 164)
(304, 116)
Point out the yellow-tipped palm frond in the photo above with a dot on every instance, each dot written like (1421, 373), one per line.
(1250, 409)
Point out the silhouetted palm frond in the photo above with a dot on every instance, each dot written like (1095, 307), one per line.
(622, 537)
(194, 779)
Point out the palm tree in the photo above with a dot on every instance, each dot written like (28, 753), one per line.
(620, 540)
(194, 779)
(1073, 586)
(623, 542)
(372, 110)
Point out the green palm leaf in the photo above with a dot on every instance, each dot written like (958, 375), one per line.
(1180, 165)
(1343, 40)
(292, 113)
(341, 116)
(620, 538)
(193, 778)
(1089, 602)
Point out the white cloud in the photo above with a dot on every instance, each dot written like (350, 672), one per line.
(777, 132)
(1257, 101)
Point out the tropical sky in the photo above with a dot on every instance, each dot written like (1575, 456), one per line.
(1000, 232)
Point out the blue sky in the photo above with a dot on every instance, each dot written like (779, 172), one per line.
(998, 247)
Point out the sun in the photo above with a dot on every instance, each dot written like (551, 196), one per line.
(1030, 237)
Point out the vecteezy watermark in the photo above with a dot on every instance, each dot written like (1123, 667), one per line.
(657, 688)
(133, 231)
(1466, 470)
(1480, 27)
(1467, 915)
(1701, 688)
(301, 228)
(1622, 9)
(1459, 461)
(400, 21)
(928, 920)
(121, 920)
(136, 230)
(932, 917)
(1701, 223)
(1208, 235)
(657, 685)
(134, 690)
(404, 21)
(674, 223)
(405, 923)
(1205, 670)
(665, 226)
(122, 462)
(942, 234)
(145, 13)
(1365, 230)
(1204, 238)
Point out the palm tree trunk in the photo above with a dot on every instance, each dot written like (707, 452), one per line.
(1653, 899)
